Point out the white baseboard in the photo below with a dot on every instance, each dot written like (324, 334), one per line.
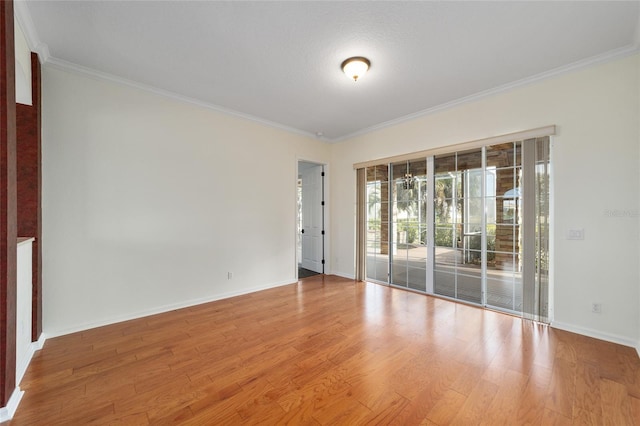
(344, 275)
(613, 338)
(6, 413)
(33, 347)
(162, 309)
(40, 343)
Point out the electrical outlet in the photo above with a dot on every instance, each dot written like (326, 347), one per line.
(229, 275)
(596, 308)
(575, 234)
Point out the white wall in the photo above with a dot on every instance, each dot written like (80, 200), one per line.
(595, 161)
(148, 202)
(23, 66)
(23, 307)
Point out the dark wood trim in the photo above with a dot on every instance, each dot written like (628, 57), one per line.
(8, 204)
(36, 321)
(28, 131)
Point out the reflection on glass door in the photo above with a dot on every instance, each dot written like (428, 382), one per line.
(503, 226)
(377, 214)
(409, 224)
(471, 225)
(458, 225)
(491, 226)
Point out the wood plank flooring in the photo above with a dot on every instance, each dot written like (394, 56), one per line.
(330, 351)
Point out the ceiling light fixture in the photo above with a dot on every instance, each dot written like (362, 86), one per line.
(355, 67)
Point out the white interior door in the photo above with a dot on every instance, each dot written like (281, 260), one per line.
(312, 218)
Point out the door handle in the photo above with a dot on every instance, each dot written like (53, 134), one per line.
(303, 231)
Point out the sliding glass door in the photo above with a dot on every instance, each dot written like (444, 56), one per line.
(471, 225)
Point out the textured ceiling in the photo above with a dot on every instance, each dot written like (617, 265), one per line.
(279, 62)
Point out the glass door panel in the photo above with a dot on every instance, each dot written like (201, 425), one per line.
(377, 213)
(469, 225)
(409, 224)
(458, 214)
(504, 282)
(445, 212)
(503, 218)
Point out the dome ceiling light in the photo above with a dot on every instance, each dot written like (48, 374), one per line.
(355, 67)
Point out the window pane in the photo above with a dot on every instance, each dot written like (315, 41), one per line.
(446, 257)
(469, 288)
(444, 236)
(473, 183)
(444, 283)
(473, 210)
(501, 155)
(417, 279)
(399, 274)
(505, 240)
(500, 292)
(468, 160)
(444, 163)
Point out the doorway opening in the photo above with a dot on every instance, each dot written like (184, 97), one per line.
(310, 219)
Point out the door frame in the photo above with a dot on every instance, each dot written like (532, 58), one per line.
(326, 215)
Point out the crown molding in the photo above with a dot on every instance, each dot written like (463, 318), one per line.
(90, 72)
(23, 17)
(582, 64)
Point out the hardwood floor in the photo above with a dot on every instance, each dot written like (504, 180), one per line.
(330, 351)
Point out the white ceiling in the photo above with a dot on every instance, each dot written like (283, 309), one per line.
(279, 62)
